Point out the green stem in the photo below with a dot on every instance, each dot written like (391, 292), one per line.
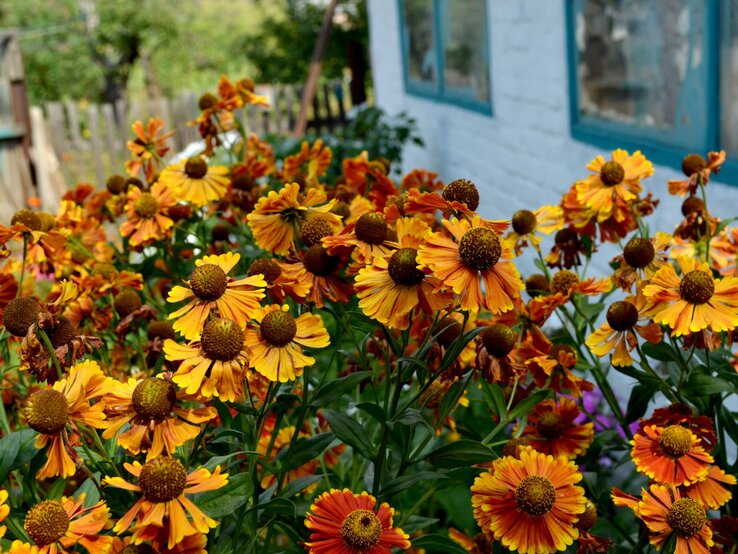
(50, 349)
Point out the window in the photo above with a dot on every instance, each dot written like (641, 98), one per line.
(446, 51)
(656, 75)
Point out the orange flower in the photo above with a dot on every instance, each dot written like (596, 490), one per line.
(617, 179)
(147, 215)
(275, 217)
(309, 164)
(148, 148)
(214, 365)
(159, 422)
(526, 225)
(697, 171)
(210, 288)
(367, 238)
(530, 504)
(193, 180)
(51, 410)
(164, 485)
(282, 279)
(667, 513)
(4, 511)
(283, 440)
(496, 354)
(564, 285)
(471, 259)
(618, 335)
(551, 366)
(58, 526)
(42, 242)
(392, 286)
(670, 455)
(695, 302)
(460, 198)
(710, 492)
(641, 259)
(321, 270)
(275, 341)
(551, 429)
(341, 521)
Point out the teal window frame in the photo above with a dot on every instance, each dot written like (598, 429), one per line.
(703, 98)
(438, 92)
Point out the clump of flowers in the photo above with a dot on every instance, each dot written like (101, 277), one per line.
(249, 352)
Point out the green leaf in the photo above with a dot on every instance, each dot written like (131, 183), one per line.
(700, 384)
(373, 410)
(438, 544)
(416, 523)
(460, 453)
(640, 396)
(306, 449)
(224, 461)
(279, 506)
(16, 449)
(228, 499)
(298, 485)
(351, 432)
(495, 398)
(525, 406)
(407, 481)
(336, 388)
(88, 488)
(663, 352)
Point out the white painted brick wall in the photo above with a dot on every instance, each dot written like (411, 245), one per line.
(523, 156)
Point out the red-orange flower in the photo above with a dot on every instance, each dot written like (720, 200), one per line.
(551, 429)
(344, 522)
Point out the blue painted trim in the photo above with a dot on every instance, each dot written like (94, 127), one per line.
(10, 133)
(436, 93)
(663, 148)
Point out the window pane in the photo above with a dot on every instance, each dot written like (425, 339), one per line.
(420, 42)
(466, 70)
(634, 57)
(729, 80)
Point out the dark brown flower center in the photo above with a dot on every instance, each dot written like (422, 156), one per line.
(686, 517)
(222, 339)
(480, 248)
(341, 209)
(512, 446)
(160, 328)
(196, 167)
(675, 440)
(535, 495)
(116, 184)
(105, 270)
(403, 267)
(208, 282)
(693, 204)
(47, 412)
(612, 173)
(536, 284)
(563, 281)
(62, 333)
(154, 398)
(372, 228)
(361, 530)
(220, 231)
(278, 328)
(47, 221)
(126, 302)
(266, 267)
(47, 522)
(207, 101)
(20, 314)
(565, 236)
(28, 218)
(146, 206)
(639, 252)
(622, 315)
(243, 181)
(524, 221)
(464, 191)
(318, 262)
(697, 287)
(162, 479)
(134, 182)
(314, 229)
(550, 425)
(557, 349)
(499, 340)
(693, 163)
(588, 518)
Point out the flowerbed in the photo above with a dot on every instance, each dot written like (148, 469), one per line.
(235, 353)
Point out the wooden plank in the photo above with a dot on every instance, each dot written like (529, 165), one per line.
(74, 127)
(290, 105)
(96, 143)
(277, 112)
(317, 119)
(124, 124)
(58, 124)
(112, 146)
(340, 96)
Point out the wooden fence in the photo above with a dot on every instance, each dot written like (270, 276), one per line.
(89, 140)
